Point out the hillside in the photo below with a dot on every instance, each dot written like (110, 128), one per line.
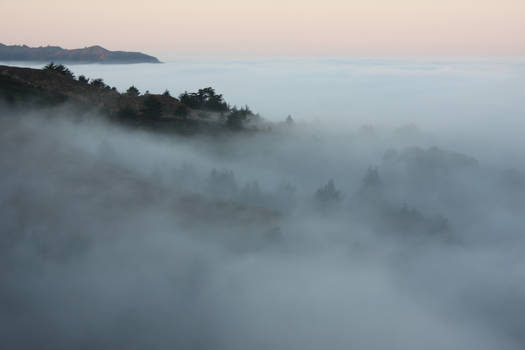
(55, 85)
(92, 54)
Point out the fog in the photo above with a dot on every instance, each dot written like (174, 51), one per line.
(434, 91)
(452, 95)
(388, 235)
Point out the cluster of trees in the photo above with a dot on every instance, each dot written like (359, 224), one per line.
(204, 99)
(327, 196)
(369, 204)
(99, 83)
(236, 118)
(152, 107)
(223, 185)
(63, 70)
(373, 203)
(208, 100)
(59, 68)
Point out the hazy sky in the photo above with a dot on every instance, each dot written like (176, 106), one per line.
(272, 27)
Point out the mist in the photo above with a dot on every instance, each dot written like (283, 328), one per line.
(462, 97)
(401, 233)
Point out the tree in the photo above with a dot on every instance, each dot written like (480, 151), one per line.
(98, 83)
(328, 195)
(60, 69)
(83, 79)
(132, 91)
(166, 93)
(371, 190)
(289, 120)
(50, 66)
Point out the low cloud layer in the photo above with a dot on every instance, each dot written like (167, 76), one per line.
(305, 237)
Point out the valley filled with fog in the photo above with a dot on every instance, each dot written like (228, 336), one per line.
(388, 215)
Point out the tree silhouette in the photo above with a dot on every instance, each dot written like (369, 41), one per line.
(98, 83)
(328, 196)
(205, 99)
(371, 191)
(60, 69)
(407, 220)
(132, 91)
(83, 79)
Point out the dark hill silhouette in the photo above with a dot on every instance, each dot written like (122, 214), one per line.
(92, 54)
(56, 84)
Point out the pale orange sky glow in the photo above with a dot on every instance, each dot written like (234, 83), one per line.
(277, 28)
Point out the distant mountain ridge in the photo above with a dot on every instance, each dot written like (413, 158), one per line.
(92, 54)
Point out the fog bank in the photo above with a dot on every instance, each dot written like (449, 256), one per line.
(305, 237)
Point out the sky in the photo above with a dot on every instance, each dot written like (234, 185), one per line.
(273, 27)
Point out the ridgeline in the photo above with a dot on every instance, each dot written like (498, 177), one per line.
(56, 85)
(92, 54)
